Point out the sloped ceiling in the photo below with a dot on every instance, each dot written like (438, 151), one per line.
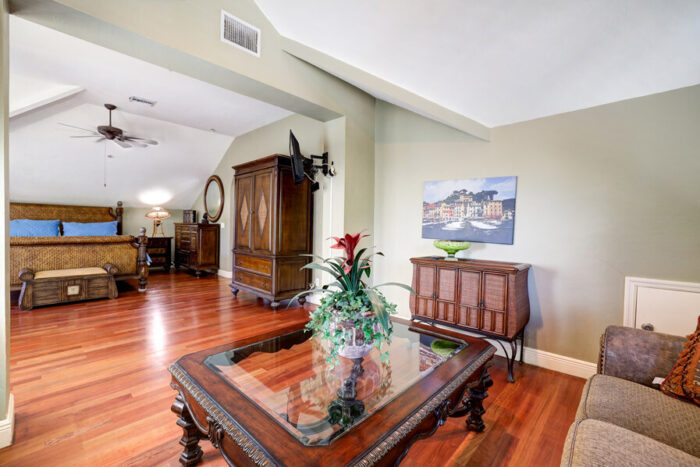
(58, 78)
(500, 62)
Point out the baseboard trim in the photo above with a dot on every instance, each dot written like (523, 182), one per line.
(7, 425)
(227, 274)
(544, 359)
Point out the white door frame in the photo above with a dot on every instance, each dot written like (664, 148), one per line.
(632, 284)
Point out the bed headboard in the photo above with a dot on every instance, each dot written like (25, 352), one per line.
(68, 213)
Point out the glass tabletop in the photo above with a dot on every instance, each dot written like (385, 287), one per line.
(289, 379)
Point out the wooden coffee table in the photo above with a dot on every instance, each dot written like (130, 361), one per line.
(273, 399)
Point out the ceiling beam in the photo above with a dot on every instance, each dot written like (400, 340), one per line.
(385, 90)
(19, 106)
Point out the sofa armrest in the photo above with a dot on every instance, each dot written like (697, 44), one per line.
(637, 355)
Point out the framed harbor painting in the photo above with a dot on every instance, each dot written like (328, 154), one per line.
(471, 210)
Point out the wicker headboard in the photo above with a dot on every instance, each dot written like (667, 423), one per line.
(67, 213)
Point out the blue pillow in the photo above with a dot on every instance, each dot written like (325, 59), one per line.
(33, 228)
(89, 229)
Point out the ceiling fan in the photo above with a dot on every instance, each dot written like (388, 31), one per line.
(112, 133)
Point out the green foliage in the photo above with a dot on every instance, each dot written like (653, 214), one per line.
(340, 311)
(349, 302)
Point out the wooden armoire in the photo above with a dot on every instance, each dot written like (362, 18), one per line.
(484, 297)
(273, 226)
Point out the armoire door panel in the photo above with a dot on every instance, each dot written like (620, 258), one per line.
(244, 212)
(262, 212)
(446, 285)
(295, 215)
(468, 317)
(495, 291)
(445, 311)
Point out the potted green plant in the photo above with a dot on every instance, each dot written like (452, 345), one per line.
(353, 316)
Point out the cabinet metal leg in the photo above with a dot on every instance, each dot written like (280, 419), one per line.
(522, 344)
(510, 359)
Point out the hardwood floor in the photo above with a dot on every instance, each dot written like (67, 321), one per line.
(91, 384)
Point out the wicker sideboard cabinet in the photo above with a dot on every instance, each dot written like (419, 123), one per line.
(484, 297)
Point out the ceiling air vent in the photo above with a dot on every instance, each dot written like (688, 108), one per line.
(240, 34)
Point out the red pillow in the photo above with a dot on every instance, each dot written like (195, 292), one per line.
(684, 380)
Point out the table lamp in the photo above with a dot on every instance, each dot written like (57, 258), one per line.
(158, 214)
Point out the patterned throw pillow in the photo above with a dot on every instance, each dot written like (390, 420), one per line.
(684, 380)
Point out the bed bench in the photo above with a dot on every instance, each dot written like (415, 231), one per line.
(66, 285)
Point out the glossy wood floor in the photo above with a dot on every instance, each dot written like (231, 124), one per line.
(91, 384)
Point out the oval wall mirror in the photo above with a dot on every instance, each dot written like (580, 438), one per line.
(214, 198)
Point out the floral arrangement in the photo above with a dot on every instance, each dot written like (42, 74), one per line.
(348, 301)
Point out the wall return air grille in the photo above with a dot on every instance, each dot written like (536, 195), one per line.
(240, 34)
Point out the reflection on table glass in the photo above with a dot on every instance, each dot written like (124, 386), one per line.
(288, 378)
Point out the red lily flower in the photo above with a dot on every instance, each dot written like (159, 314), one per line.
(348, 243)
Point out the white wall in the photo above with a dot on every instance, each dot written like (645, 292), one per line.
(602, 193)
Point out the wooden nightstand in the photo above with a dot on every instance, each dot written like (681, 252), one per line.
(160, 251)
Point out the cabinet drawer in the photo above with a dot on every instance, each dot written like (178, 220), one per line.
(253, 280)
(252, 263)
(157, 260)
(156, 251)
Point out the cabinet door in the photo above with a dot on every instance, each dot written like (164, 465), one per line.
(446, 295)
(208, 247)
(244, 212)
(469, 299)
(495, 294)
(295, 215)
(262, 212)
(423, 303)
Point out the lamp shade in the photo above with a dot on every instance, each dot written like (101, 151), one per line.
(158, 213)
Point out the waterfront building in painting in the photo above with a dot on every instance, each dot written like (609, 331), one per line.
(481, 210)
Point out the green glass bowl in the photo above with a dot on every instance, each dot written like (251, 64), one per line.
(450, 247)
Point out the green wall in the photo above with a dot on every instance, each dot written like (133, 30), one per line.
(602, 193)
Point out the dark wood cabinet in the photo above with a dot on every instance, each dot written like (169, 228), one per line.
(160, 251)
(197, 247)
(273, 227)
(484, 297)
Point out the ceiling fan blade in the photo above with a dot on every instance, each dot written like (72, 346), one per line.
(86, 136)
(138, 144)
(121, 143)
(79, 128)
(143, 140)
(99, 140)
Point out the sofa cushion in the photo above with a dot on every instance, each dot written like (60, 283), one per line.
(684, 379)
(597, 443)
(643, 410)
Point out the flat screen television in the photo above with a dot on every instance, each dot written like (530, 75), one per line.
(298, 160)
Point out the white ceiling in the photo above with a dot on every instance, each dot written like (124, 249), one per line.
(505, 61)
(46, 165)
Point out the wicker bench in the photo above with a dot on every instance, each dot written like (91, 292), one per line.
(66, 285)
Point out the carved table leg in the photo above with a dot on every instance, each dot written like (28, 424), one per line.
(192, 453)
(476, 396)
(274, 305)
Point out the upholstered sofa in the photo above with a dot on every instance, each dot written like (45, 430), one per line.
(625, 420)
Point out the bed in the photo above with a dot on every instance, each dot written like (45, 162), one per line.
(126, 252)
